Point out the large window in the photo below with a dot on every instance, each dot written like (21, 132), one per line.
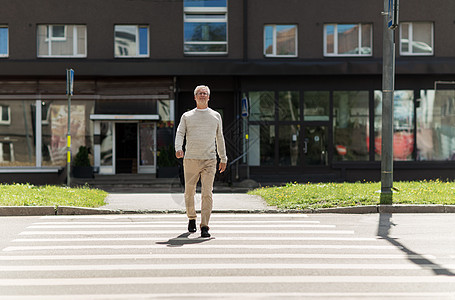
(3, 41)
(416, 38)
(289, 106)
(205, 26)
(62, 41)
(350, 125)
(131, 41)
(17, 133)
(316, 106)
(436, 124)
(54, 133)
(403, 124)
(280, 40)
(5, 114)
(348, 39)
(262, 106)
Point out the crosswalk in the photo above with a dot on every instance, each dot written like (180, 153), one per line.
(250, 256)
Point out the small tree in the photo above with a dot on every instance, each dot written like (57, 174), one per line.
(82, 159)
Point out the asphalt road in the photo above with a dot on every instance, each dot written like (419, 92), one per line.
(250, 256)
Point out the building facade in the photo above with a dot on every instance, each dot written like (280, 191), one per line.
(309, 75)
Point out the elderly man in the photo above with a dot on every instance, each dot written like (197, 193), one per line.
(203, 129)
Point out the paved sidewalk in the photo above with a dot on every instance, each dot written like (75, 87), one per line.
(175, 202)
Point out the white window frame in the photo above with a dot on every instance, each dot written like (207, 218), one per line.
(5, 122)
(410, 39)
(50, 40)
(7, 42)
(274, 41)
(335, 41)
(222, 11)
(50, 34)
(137, 41)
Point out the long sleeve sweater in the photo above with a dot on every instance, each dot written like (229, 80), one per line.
(204, 132)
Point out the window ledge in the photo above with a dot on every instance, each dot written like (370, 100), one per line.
(7, 170)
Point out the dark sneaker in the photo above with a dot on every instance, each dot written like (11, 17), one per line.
(192, 226)
(205, 231)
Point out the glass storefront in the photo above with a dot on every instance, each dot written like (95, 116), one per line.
(350, 125)
(436, 125)
(17, 133)
(262, 106)
(292, 128)
(316, 106)
(289, 142)
(403, 124)
(106, 144)
(55, 129)
(288, 106)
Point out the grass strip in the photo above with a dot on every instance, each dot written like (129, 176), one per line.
(329, 195)
(49, 195)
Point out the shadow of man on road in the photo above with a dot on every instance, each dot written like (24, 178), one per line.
(385, 225)
(183, 239)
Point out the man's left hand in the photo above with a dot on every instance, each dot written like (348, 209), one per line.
(222, 167)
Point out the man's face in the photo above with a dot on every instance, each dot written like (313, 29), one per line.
(202, 96)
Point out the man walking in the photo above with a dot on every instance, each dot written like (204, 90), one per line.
(203, 130)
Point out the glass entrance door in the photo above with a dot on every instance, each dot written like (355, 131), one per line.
(312, 141)
(147, 147)
(126, 148)
(315, 145)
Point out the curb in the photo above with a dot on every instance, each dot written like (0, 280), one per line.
(370, 209)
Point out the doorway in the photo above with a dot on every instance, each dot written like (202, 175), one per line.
(126, 148)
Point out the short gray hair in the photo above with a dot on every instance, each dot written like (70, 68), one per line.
(200, 87)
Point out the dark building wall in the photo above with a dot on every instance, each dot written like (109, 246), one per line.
(310, 17)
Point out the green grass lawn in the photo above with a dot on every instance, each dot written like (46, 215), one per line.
(30, 195)
(326, 195)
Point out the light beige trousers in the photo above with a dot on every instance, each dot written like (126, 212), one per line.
(195, 169)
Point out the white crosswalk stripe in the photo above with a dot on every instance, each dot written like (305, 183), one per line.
(249, 256)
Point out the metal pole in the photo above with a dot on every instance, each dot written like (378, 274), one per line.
(68, 140)
(69, 92)
(388, 87)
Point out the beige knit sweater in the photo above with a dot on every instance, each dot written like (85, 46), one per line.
(202, 128)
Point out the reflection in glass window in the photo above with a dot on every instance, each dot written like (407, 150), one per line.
(262, 145)
(350, 125)
(316, 106)
(262, 106)
(316, 145)
(403, 124)
(348, 39)
(147, 149)
(280, 40)
(204, 3)
(205, 27)
(3, 41)
(106, 138)
(416, 38)
(435, 125)
(62, 40)
(131, 41)
(289, 106)
(54, 133)
(288, 145)
(17, 133)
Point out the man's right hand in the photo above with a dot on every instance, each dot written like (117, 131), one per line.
(179, 154)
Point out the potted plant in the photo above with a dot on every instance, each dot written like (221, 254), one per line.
(167, 162)
(81, 166)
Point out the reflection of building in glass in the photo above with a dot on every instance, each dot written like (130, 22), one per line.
(436, 125)
(17, 133)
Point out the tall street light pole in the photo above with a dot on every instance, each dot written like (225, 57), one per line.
(388, 87)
